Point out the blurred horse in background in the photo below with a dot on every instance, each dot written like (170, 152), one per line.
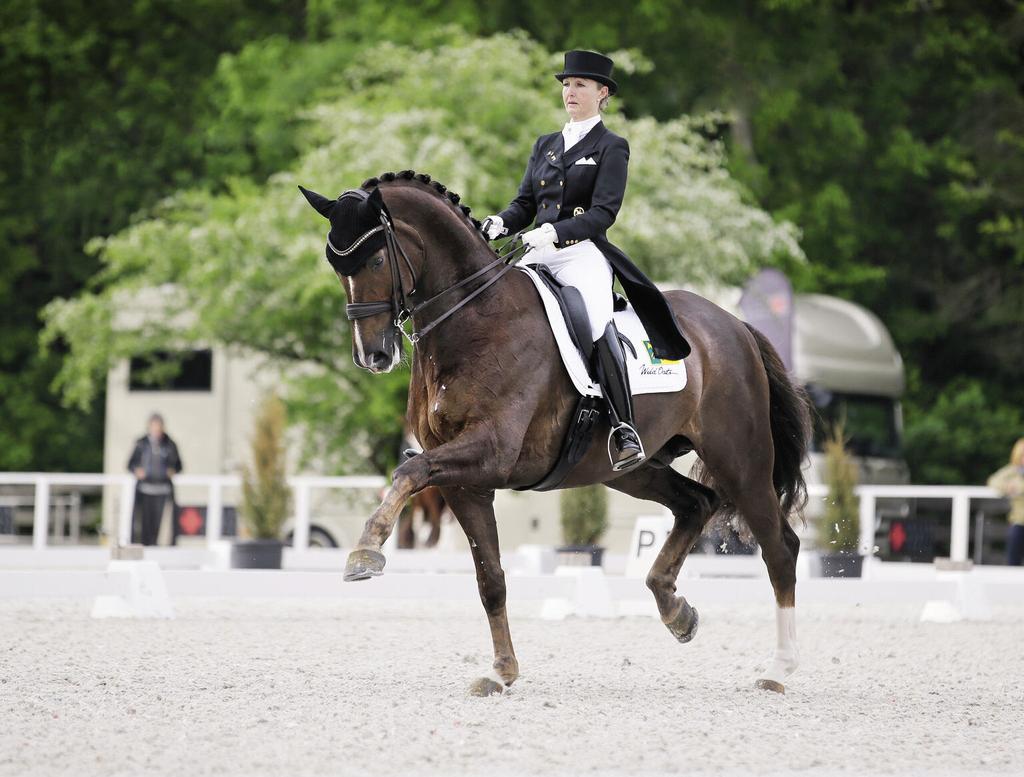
(429, 504)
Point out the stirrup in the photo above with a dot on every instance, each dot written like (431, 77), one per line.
(633, 461)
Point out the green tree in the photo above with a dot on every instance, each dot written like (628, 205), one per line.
(98, 101)
(961, 435)
(249, 260)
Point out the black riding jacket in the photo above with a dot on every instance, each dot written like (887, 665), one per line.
(580, 191)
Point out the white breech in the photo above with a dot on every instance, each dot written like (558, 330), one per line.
(582, 265)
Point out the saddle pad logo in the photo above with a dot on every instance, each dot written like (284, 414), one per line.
(654, 359)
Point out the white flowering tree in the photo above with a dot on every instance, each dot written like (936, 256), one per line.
(248, 266)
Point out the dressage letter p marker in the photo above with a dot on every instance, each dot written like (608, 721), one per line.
(646, 540)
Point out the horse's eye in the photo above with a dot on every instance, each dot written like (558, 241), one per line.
(378, 261)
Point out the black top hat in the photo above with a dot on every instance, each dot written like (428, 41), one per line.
(589, 64)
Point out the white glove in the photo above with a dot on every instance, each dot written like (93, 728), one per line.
(493, 227)
(543, 236)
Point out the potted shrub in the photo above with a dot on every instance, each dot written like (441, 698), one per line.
(584, 513)
(839, 527)
(265, 492)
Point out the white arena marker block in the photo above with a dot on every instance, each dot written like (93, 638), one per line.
(592, 598)
(968, 602)
(145, 595)
(555, 609)
(940, 611)
(219, 555)
(971, 599)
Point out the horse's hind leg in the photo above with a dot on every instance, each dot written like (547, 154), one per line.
(779, 548)
(691, 505)
(474, 510)
(757, 502)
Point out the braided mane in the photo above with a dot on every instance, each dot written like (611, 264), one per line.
(442, 191)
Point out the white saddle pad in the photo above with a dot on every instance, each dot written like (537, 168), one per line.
(647, 373)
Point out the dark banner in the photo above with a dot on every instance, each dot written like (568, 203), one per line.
(767, 304)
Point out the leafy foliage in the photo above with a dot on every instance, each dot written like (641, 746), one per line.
(961, 436)
(249, 261)
(98, 103)
(265, 492)
(888, 133)
(584, 514)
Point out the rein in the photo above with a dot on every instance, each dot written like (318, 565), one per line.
(399, 304)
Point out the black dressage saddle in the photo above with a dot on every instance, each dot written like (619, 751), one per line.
(574, 311)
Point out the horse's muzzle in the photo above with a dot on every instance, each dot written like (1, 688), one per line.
(378, 361)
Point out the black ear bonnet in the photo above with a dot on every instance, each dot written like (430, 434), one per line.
(357, 232)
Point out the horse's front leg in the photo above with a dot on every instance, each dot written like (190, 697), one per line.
(474, 510)
(475, 458)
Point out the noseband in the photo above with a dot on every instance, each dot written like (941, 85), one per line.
(399, 306)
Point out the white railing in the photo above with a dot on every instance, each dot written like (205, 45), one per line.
(960, 514)
(302, 487)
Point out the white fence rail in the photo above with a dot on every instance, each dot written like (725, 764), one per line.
(960, 514)
(302, 486)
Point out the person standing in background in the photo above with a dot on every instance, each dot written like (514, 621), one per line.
(154, 461)
(1009, 481)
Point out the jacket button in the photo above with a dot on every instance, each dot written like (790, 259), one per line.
(558, 205)
(561, 183)
(542, 182)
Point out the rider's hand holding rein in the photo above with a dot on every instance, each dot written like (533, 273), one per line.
(541, 237)
(493, 227)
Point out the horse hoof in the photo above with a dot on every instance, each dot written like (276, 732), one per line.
(771, 685)
(364, 564)
(485, 686)
(684, 625)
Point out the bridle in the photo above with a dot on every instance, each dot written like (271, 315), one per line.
(399, 305)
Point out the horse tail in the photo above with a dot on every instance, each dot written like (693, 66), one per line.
(790, 413)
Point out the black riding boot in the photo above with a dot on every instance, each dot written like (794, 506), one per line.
(610, 363)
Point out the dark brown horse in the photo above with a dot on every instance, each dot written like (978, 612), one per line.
(490, 402)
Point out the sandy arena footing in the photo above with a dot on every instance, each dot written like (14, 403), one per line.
(261, 687)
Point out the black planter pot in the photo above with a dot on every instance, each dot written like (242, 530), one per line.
(844, 564)
(580, 555)
(257, 554)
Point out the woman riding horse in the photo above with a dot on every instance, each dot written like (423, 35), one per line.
(574, 186)
(491, 401)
